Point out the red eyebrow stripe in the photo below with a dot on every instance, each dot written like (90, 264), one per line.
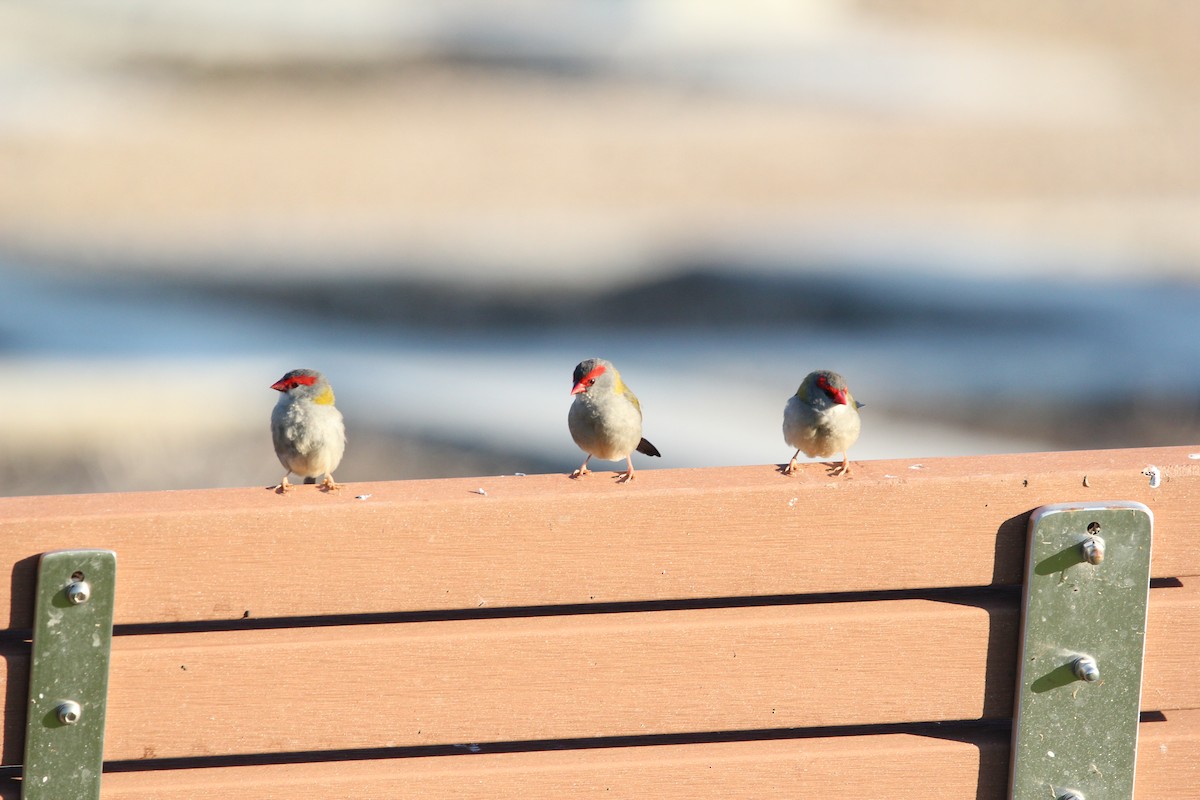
(839, 395)
(588, 380)
(284, 384)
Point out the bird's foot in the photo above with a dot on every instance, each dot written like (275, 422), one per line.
(626, 477)
(330, 485)
(579, 473)
(837, 470)
(792, 467)
(284, 487)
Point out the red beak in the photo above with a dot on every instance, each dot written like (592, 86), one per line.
(280, 385)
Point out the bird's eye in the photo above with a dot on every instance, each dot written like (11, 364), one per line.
(591, 382)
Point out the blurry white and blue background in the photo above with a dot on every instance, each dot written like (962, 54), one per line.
(985, 216)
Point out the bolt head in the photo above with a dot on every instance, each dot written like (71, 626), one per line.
(1093, 549)
(1086, 669)
(68, 712)
(78, 592)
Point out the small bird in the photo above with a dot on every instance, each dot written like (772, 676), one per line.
(308, 431)
(821, 419)
(606, 418)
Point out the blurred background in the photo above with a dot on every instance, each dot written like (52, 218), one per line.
(985, 216)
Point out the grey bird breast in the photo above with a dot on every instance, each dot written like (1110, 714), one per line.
(608, 429)
(819, 433)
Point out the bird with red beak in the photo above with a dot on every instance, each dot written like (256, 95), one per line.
(606, 418)
(821, 419)
(307, 429)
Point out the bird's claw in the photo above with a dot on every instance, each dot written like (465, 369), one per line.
(792, 467)
(579, 473)
(625, 477)
(330, 485)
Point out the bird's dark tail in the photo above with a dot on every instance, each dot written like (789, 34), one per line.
(310, 480)
(647, 448)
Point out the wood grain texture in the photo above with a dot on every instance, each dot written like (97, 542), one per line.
(1172, 641)
(577, 677)
(895, 766)
(549, 540)
(797, 768)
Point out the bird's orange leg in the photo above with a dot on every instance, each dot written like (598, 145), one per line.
(329, 484)
(843, 468)
(793, 465)
(284, 487)
(583, 470)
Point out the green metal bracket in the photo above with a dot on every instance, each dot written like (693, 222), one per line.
(1083, 632)
(68, 675)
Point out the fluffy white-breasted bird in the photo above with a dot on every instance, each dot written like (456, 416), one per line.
(606, 418)
(308, 430)
(821, 419)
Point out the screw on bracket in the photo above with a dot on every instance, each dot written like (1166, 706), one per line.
(78, 592)
(1070, 794)
(68, 712)
(1086, 669)
(1093, 549)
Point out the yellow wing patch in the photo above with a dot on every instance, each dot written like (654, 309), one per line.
(325, 398)
(621, 388)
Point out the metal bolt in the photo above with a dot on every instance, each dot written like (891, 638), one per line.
(1093, 549)
(1086, 669)
(68, 712)
(78, 592)
(1071, 794)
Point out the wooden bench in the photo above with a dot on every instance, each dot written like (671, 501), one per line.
(711, 633)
